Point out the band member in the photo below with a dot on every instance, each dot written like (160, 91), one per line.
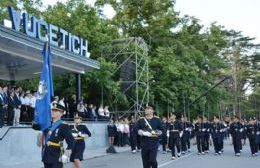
(149, 128)
(53, 140)
(79, 132)
(175, 131)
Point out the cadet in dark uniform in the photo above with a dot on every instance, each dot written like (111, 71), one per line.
(175, 132)
(216, 130)
(252, 136)
(258, 134)
(206, 131)
(164, 135)
(53, 140)
(236, 130)
(149, 128)
(79, 132)
(199, 135)
(185, 139)
(111, 130)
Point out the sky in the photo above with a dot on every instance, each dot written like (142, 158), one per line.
(240, 15)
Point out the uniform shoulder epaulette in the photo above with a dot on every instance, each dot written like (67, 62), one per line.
(157, 117)
(64, 122)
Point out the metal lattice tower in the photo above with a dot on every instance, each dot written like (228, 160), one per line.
(121, 52)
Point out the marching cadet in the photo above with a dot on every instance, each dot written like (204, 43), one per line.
(199, 131)
(149, 128)
(175, 132)
(79, 132)
(216, 130)
(53, 140)
(252, 136)
(164, 135)
(189, 132)
(236, 130)
(205, 139)
(258, 134)
(185, 136)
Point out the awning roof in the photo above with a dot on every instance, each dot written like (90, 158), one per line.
(21, 57)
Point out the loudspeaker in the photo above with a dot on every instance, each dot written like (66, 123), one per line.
(127, 74)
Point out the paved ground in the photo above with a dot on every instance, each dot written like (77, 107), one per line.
(191, 160)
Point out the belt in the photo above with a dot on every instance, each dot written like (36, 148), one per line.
(50, 143)
(79, 138)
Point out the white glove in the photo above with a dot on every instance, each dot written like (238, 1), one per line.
(64, 159)
(204, 129)
(80, 134)
(257, 133)
(186, 129)
(147, 134)
(181, 133)
(74, 135)
(168, 133)
(241, 129)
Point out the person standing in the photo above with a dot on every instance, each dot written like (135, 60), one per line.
(164, 135)
(17, 109)
(133, 135)
(53, 139)
(149, 128)
(79, 132)
(1, 109)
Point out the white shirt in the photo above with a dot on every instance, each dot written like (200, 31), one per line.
(26, 100)
(22, 100)
(33, 101)
(101, 111)
(120, 127)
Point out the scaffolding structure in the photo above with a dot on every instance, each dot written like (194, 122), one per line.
(132, 51)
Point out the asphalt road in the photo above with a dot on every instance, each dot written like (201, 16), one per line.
(190, 160)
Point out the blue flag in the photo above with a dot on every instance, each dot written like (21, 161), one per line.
(45, 91)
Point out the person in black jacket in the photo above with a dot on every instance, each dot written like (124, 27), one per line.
(149, 128)
(53, 140)
(112, 130)
(11, 107)
(133, 135)
(175, 131)
(236, 130)
(252, 136)
(17, 109)
(79, 132)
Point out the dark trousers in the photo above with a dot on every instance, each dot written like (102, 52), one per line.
(149, 157)
(174, 141)
(138, 142)
(253, 145)
(184, 142)
(133, 140)
(199, 139)
(1, 117)
(54, 165)
(164, 141)
(120, 139)
(236, 143)
(205, 143)
(10, 117)
(217, 144)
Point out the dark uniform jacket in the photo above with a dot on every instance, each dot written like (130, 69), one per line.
(52, 154)
(176, 125)
(156, 124)
(236, 129)
(216, 130)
